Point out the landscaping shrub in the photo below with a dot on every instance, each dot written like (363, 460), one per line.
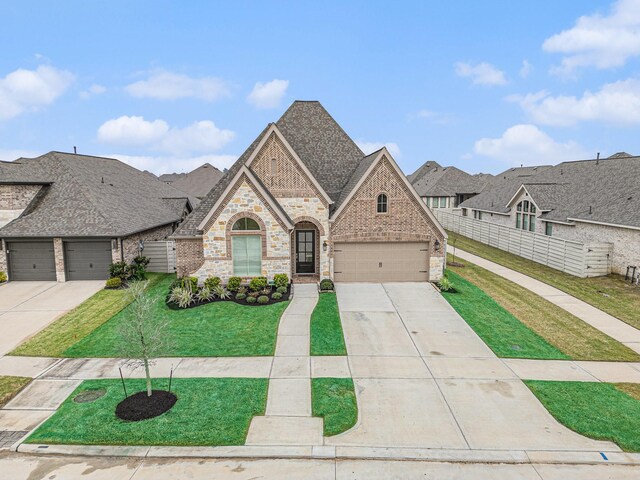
(234, 284)
(3, 277)
(241, 296)
(185, 282)
(113, 283)
(205, 294)
(254, 294)
(120, 270)
(258, 283)
(242, 289)
(276, 296)
(183, 297)
(446, 285)
(139, 267)
(281, 290)
(326, 284)
(265, 291)
(222, 293)
(281, 280)
(251, 300)
(212, 282)
(263, 299)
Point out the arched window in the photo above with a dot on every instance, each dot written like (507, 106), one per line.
(526, 216)
(382, 206)
(246, 223)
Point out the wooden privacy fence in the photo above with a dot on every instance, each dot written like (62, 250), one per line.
(579, 259)
(161, 255)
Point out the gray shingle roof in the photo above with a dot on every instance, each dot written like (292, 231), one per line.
(433, 180)
(198, 182)
(605, 190)
(325, 149)
(17, 172)
(94, 197)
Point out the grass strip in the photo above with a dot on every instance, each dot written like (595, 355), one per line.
(610, 294)
(602, 411)
(334, 399)
(10, 387)
(568, 333)
(327, 337)
(209, 411)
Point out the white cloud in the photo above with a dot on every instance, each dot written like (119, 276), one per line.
(92, 91)
(164, 85)
(601, 41)
(526, 69)
(528, 145)
(370, 147)
(481, 74)
(269, 94)
(615, 103)
(170, 163)
(202, 136)
(27, 90)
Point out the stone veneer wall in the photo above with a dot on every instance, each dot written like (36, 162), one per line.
(626, 242)
(3, 257)
(58, 253)
(405, 221)
(14, 199)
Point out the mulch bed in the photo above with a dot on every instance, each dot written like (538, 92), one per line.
(139, 406)
(285, 296)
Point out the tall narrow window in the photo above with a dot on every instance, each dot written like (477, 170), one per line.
(443, 202)
(382, 203)
(532, 223)
(274, 166)
(518, 220)
(548, 228)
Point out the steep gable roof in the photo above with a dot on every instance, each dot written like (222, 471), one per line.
(96, 197)
(198, 182)
(438, 181)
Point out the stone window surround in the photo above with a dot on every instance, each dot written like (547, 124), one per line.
(386, 203)
(230, 232)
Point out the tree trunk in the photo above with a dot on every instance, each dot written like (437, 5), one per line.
(146, 371)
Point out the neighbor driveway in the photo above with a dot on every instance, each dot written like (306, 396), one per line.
(28, 307)
(425, 379)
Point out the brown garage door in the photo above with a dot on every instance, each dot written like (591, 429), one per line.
(381, 262)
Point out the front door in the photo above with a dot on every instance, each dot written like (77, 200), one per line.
(305, 251)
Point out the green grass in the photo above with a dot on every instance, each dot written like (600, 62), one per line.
(209, 411)
(326, 328)
(10, 387)
(596, 410)
(221, 329)
(79, 322)
(610, 294)
(568, 333)
(334, 399)
(499, 329)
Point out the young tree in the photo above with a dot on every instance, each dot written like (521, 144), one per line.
(143, 336)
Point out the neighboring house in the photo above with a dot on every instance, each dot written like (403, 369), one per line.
(446, 187)
(198, 182)
(68, 217)
(304, 200)
(585, 201)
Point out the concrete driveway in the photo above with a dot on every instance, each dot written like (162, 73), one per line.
(425, 379)
(28, 307)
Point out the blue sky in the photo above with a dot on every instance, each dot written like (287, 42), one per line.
(168, 85)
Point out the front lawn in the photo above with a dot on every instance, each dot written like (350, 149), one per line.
(610, 294)
(209, 411)
(569, 334)
(326, 328)
(10, 387)
(499, 329)
(334, 399)
(220, 329)
(602, 411)
(79, 322)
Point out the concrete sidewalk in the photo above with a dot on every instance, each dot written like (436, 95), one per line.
(608, 324)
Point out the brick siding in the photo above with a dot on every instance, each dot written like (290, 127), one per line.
(189, 255)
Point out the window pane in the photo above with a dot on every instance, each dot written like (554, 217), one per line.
(239, 253)
(246, 223)
(518, 215)
(525, 206)
(520, 207)
(532, 223)
(525, 222)
(247, 255)
(533, 208)
(548, 228)
(254, 255)
(443, 202)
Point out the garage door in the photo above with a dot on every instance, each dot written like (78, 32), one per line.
(31, 261)
(87, 260)
(381, 262)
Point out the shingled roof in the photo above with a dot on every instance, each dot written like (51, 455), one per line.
(320, 143)
(434, 180)
(92, 197)
(599, 190)
(198, 182)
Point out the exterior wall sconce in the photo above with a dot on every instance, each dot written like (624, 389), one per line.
(436, 245)
(324, 246)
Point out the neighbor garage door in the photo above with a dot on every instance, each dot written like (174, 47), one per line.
(86, 260)
(381, 262)
(31, 260)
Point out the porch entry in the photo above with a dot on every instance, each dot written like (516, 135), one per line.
(305, 251)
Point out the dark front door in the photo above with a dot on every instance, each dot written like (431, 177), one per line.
(305, 251)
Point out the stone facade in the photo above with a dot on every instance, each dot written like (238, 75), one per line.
(626, 242)
(405, 220)
(3, 257)
(14, 199)
(58, 253)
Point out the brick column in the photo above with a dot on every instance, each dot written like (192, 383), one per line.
(58, 252)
